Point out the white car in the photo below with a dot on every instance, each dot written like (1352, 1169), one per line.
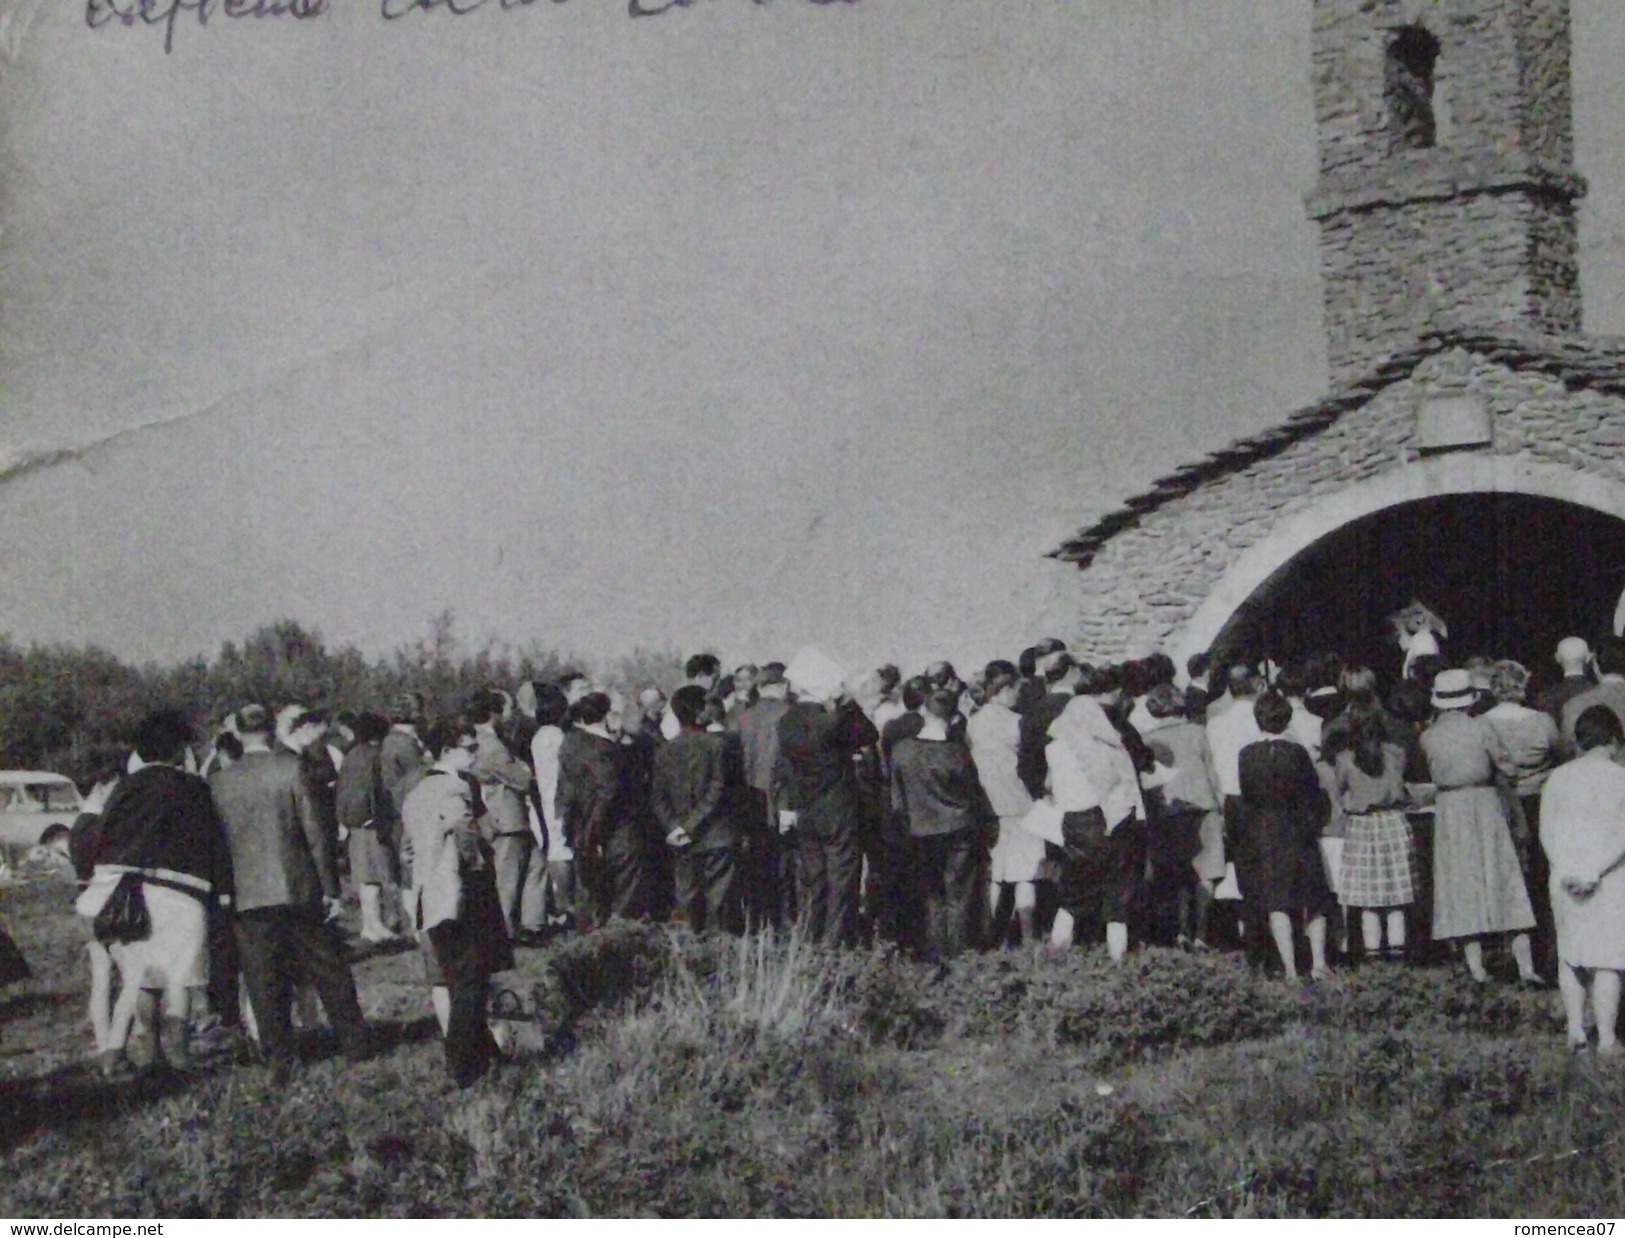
(31, 802)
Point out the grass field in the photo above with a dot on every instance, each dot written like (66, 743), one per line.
(765, 1078)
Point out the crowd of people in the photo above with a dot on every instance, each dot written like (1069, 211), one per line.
(1295, 813)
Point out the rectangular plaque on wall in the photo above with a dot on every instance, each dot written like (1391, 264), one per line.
(1450, 422)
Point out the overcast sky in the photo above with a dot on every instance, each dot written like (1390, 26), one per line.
(740, 327)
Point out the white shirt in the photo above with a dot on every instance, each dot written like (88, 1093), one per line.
(886, 711)
(1070, 785)
(994, 733)
(1582, 816)
(544, 756)
(1305, 727)
(1227, 735)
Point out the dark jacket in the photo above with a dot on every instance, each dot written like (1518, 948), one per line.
(1032, 766)
(815, 772)
(904, 726)
(1283, 807)
(635, 767)
(281, 856)
(161, 821)
(759, 733)
(322, 779)
(601, 785)
(690, 789)
(402, 763)
(360, 798)
(935, 786)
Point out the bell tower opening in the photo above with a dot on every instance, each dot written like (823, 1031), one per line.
(1408, 88)
(1447, 189)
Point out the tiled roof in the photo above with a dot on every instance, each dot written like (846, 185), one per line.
(1580, 361)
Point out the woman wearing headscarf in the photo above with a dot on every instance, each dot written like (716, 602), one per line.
(366, 812)
(1094, 784)
(994, 733)
(552, 710)
(1478, 885)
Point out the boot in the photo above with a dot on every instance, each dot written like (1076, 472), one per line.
(373, 927)
(179, 1055)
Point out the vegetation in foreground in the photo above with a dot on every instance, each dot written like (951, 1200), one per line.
(767, 1078)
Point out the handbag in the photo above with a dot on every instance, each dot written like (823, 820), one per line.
(124, 917)
(1083, 833)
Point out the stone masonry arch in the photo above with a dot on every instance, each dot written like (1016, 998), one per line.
(1436, 477)
(1518, 415)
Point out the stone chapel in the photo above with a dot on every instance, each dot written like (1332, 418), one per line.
(1471, 450)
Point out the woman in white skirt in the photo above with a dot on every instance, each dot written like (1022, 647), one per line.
(160, 830)
(994, 733)
(1582, 828)
(1379, 860)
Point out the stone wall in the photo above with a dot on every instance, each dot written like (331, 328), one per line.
(1146, 583)
(1546, 86)
(1393, 272)
(1480, 227)
(1501, 80)
(1477, 229)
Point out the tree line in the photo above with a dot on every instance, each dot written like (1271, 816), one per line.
(72, 709)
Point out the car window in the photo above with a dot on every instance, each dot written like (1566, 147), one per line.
(40, 797)
(19, 799)
(56, 796)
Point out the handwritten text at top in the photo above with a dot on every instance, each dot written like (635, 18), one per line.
(169, 13)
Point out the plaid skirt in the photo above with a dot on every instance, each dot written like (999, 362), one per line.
(1379, 862)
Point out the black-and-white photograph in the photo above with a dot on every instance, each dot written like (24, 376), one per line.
(783, 609)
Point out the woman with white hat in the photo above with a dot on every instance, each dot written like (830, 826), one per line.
(1478, 885)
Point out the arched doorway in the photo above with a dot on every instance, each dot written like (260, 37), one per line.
(1514, 552)
(1511, 573)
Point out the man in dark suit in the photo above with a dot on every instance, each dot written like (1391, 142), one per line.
(287, 886)
(769, 874)
(604, 824)
(936, 791)
(1060, 674)
(819, 736)
(694, 803)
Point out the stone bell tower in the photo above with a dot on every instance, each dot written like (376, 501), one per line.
(1447, 188)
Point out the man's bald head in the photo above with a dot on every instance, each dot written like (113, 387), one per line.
(1573, 654)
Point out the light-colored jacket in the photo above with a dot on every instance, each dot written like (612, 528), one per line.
(1582, 821)
(438, 820)
(281, 856)
(994, 732)
(544, 755)
(506, 782)
(1227, 734)
(1183, 746)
